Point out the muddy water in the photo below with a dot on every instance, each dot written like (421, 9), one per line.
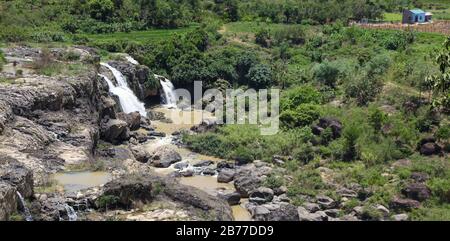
(76, 181)
(208, 184)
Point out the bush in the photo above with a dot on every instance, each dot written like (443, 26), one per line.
(107, 201)
(47, 36)
(326, 74)
(304, 153)
(262, 37)
(440, 187)
(303, 115)
(294, 97)
(2, 60)
(71, 56)
(259, 76)
(13, 34)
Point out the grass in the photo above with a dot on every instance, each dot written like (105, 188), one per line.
(392, 17)
(140, 36)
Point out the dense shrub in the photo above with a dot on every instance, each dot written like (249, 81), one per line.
(304, 114)
(259, 76)
(326, 74)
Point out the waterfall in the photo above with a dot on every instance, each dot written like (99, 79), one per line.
(26, 211)
(128, 100)
(131, 60)
(169, 96)
(71, 213)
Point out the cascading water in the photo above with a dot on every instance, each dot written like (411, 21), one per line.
(71, 214)
(169, 96)
(128, 100)
(26, 211)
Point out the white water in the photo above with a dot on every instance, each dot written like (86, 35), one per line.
(128, 100)
(169, 96)
(71, 213)
(131, 60)
(26, 211)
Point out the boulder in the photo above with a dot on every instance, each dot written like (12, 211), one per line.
(8, 200)
(430, 148)
(311, 207)
(305, 215)
(261, 195)
(325, 202)
(203, 163)
(114, 131)
(225, 164)
(129, 189)
(420, 176)
(417, 191)
(140, 154)
(280, 190)
(132, 119)
(274, 212)
(208, 171)
(404, 204)
(232, 198)
(181, 165)
(225, 175)
(16, 174)
(246, 184)
(107, 108)
(187, 172)
(400, 217)
(164, 156)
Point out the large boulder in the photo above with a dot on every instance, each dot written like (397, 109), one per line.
(261, 195)
(430, 148)
(132, 119)
(140, 154)
(305, 215)
(246, 184)
(417, 191)
(232, 198)
(164, 156)
(114, 131)
(16, 174)
(274, 212)
(216, 208)
(129, 189)
(8, 200)
(225, 175)
(404, 204)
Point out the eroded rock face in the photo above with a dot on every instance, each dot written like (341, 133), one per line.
(8, 200)
(16, 174)
(164, 156)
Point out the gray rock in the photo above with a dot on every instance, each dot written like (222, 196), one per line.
(164, 156)
(187, 172)
(133, 119)
(247, 181)
(400, 217)
(114, 131)
(261, 195)
(280, 190)
(305, 215)
(140, 154)
(404, 204)
(203, 163)
(181, 165)
(209, 171)
(128, 189)
(382, 209)
(232, 198)
(417, 191)
(17, 174)
(225, 175)
(274, 212)
(8, 200)
(325, 202)
(334, 213)
(311, 207)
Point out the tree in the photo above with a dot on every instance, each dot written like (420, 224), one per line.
(439, 84)
(377, 119)
(259, 76)
(101, 9)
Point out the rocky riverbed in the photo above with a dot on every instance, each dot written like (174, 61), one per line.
(69, 152)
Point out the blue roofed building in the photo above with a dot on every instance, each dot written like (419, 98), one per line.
(415, 16)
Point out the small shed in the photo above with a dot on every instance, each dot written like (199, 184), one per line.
(413, 16)
(428, 17)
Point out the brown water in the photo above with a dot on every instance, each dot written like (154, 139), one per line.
(76, 181)
(208, 184)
